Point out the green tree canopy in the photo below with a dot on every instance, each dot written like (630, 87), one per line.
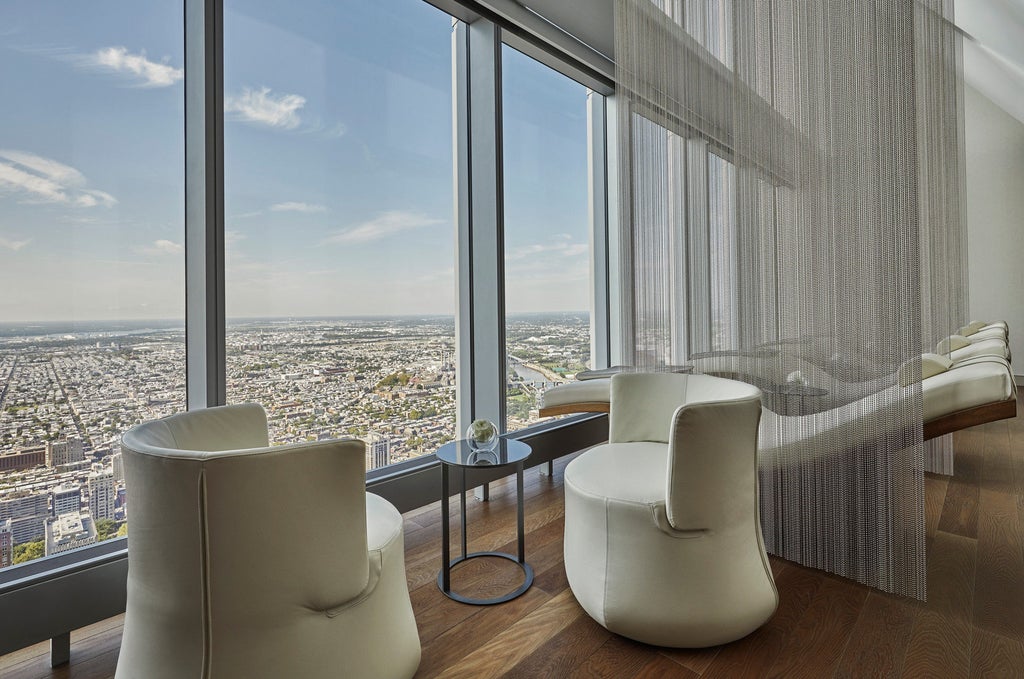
(27, 551)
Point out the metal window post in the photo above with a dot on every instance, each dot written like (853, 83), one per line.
(204, 203)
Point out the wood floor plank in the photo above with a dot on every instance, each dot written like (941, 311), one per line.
(661, 667)
(818, 642)
(753, 656)
(960, 509)
(997, 466)
(879, 640)
(777, 565)
(696, 660)
(96, 667)
(939, 647)
(552, 580)
(999, 583)
(993, 655)
(935, 487)
(940, 640)
(561, 654)
(449, 647)
(618, 657)
(505, 650)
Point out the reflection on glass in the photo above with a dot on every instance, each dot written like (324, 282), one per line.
(91, 260)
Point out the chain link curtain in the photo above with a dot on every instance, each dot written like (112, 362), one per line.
(790, 216)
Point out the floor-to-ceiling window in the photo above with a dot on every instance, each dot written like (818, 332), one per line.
(339, 221)
(547, 232)
(339, 253)
(91, 259)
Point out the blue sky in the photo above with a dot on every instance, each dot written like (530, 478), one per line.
(338, 163)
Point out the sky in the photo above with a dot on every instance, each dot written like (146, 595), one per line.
(338, 163)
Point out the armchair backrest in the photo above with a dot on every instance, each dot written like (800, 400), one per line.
(712, 462)
(641, 405)
(710, 425)
(228, 533)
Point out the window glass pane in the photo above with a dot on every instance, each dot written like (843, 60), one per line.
(91, 259)
(724, 253)
(547, 227)
(338, 201)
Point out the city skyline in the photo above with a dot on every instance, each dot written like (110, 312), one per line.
(338, 165)
(387, 381)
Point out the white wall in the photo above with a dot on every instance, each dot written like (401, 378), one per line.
(995, 217)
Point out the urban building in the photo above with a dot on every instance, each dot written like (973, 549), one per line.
(67, 498)
(17, 460)
(117, 466)
(69, 531)
(67, 451)
(28, 512)
(378, 451)
(102, 494)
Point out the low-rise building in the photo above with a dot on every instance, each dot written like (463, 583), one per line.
(22, 459)
(69, 531)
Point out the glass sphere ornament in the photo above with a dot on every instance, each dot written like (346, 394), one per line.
(482, 435)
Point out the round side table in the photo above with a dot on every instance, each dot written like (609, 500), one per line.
(462, 455)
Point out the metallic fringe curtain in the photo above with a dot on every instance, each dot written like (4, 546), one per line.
(781, 223)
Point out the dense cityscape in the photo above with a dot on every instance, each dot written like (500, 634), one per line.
(68, 392)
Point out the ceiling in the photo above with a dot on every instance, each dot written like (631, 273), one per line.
(993, 49)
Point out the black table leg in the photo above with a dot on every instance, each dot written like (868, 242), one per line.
(446, 556)
(462, 509)
(520, 521)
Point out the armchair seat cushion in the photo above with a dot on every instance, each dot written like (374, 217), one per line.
(630, 472)
(383, 523)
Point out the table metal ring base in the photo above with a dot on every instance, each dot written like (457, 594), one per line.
(527, 580)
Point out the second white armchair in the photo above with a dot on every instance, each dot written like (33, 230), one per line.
(662, 536)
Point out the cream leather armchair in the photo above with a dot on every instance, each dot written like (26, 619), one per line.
(250, 561)
(662, 536)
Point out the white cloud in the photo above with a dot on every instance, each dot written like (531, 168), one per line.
(562, 247)
(42, 180)
(170, 247)
(292, 206)
(146, 73)
(161, 247)
(14, 245)
(386, 224)
(262, 107)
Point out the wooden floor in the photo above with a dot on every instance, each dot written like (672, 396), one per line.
(971, 626)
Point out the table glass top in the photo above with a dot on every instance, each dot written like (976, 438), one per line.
(462, 454)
